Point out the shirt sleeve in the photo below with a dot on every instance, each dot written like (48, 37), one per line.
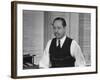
(44, 61)
(77, 54)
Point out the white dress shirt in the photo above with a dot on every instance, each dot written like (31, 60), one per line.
(74, 49)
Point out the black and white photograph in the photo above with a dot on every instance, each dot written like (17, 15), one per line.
(56, 39)
(53, 39)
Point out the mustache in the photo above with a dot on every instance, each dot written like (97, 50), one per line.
(56, 33)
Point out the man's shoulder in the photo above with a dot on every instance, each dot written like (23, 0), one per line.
(49, 42)
(73, 41)
(69, 38)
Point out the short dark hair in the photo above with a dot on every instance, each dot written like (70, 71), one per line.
(62, 19)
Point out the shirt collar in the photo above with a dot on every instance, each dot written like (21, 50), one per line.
(62, 41)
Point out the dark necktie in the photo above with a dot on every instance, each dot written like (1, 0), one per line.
(58, 43)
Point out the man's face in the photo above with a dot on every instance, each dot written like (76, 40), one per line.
(58, 29)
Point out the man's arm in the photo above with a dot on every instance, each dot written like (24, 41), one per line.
(77, 54)
(44, 61)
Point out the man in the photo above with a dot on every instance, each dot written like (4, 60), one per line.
(61, 51)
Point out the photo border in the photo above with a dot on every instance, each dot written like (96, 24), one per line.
(14, 37)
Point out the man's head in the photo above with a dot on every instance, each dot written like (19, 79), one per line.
(59, 27)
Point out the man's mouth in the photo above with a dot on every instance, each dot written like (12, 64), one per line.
(56, 34)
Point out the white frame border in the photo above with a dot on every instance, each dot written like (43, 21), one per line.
(35, 72)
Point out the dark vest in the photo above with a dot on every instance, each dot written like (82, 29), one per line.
(61, 57)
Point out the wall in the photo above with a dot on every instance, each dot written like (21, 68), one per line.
(5, 41)
(84, 36)
(33, 25)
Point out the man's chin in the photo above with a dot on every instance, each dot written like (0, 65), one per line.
(58, 37)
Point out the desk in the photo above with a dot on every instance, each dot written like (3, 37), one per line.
(28, 62)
